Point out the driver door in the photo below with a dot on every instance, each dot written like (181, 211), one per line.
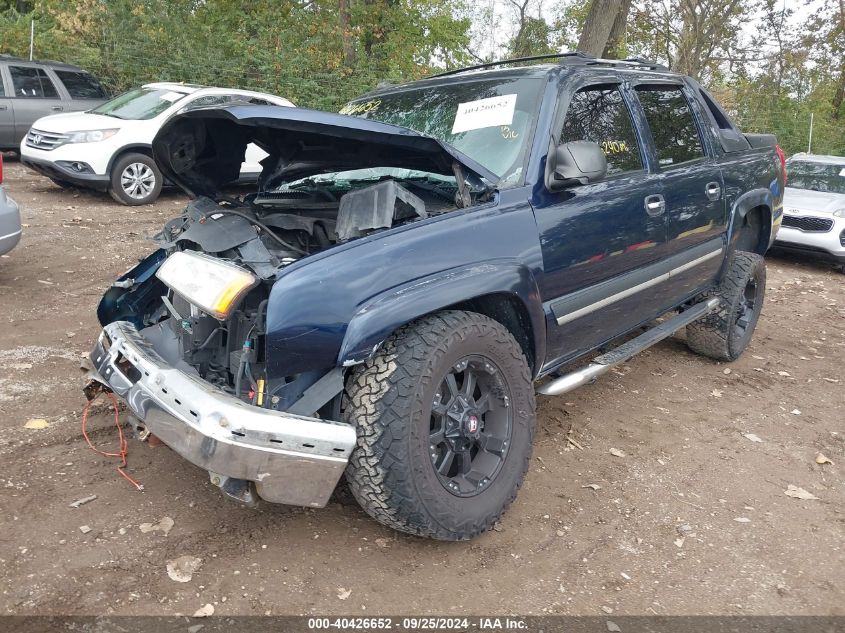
(600, 240)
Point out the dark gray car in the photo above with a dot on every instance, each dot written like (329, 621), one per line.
(30, 90)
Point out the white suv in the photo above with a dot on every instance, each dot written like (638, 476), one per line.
(814, 207)
(108, 148)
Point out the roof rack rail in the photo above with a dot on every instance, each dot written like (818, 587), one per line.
(571, 58)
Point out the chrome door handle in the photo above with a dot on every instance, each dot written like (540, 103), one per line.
(713, 191)
(655, 204)
(57, 108)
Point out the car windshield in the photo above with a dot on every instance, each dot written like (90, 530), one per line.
(490, 121)
(141, 103)
(827, 177)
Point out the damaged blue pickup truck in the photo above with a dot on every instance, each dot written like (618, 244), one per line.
(408, 272)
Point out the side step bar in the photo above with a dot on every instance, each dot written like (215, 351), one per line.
(626, 351)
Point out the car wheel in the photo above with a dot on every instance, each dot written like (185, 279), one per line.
(135, 179)
(445, 420)
(725, 333)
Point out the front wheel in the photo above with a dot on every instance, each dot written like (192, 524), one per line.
(725, 333)
(445, 420)
(135, 179)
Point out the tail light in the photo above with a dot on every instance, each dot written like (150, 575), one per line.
(782, 158)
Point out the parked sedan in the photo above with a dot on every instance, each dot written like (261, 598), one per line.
(814, 207)
(108, 148)
(10, 218)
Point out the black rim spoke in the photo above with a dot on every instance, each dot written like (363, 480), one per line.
(470, 427)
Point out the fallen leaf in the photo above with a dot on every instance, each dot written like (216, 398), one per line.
(383, 543)
(162, 525)
(752, 437)
(742, 520)
(612, 627)
(821, 459)
(798, 493)
(785, 374)
(183, 568)
(204, 612)
(679, 542)
(617, 453)
(592, 486)
(36, 423)
(343, 594)
(716, 393)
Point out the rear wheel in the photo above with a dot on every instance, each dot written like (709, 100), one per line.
(725, 333)
(445, 420)
(135, 179)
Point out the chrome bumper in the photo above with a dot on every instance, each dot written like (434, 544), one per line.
(291, 459)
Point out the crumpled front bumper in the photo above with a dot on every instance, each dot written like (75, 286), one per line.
(292, 459)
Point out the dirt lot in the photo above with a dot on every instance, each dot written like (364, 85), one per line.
(692, 520)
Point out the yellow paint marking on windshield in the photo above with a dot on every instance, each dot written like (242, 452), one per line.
(365, 107)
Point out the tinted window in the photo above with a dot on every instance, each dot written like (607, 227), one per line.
(81, 85)
(31, 82)
(672, 125)
(601, 116)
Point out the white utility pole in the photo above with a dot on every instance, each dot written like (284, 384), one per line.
(31, 38)
(810, 143)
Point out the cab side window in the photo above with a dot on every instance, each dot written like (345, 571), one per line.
(32, 82)
(599, 114)
(672, 124)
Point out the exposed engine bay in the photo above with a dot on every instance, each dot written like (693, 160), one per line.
(263, 233)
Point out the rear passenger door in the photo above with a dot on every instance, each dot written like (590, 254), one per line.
(599, 240)
(7, 116)
(692, 186)
(35, 96)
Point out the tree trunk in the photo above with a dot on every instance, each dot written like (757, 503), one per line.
(346, 33)
(597, 27)
(616, 39)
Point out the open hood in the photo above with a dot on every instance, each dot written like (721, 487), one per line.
(202, 150)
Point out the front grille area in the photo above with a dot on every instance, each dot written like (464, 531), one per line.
(45, 140)
(808, 224)
(842, 238)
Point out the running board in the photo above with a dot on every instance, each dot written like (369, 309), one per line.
(626, 351)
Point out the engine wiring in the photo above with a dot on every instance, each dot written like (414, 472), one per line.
(123, 446)
(263, 227)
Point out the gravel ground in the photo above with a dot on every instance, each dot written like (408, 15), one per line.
(693, 519)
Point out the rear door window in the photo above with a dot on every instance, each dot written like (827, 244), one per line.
(29, 81)
(599, 114)
(80, 85)
(673, 127)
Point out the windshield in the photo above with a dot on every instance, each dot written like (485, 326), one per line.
(825, 177)
(141, 103)
(488, 120)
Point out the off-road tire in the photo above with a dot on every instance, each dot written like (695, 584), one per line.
(389, 400)
(716, 335)
(116, 189)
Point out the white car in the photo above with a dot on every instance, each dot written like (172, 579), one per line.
(108, 148)
(814, 207)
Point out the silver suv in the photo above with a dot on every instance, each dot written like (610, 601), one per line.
(814, 207)
(30, 90)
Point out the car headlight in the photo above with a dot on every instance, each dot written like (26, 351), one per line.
(839, 213)
(213, 285)
(90, 136)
